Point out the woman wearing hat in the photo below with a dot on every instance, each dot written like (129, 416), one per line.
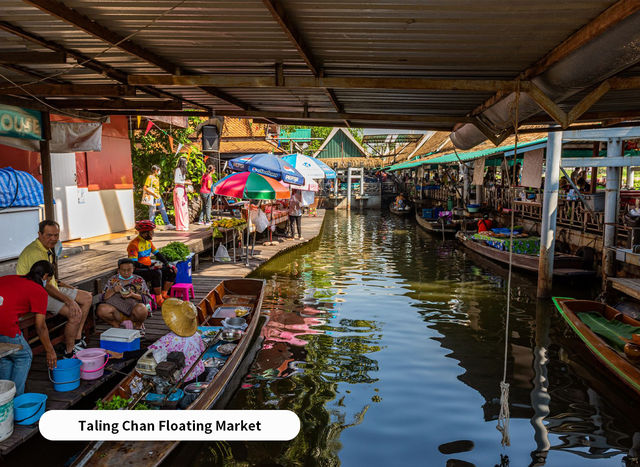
(182, 319)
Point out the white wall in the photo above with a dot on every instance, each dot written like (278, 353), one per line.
(82, 213)
(91, 213)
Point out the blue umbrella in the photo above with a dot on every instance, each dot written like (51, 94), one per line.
(310, 165)
(268, 165)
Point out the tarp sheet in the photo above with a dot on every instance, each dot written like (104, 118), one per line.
(65, 137)
(19, 189)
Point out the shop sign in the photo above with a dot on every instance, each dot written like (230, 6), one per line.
(17, 122)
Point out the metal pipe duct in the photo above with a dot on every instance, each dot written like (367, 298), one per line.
(603, 57)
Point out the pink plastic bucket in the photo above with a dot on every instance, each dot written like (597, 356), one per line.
(93, 363)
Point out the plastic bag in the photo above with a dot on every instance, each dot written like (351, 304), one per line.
(222, 255)
(259, 220)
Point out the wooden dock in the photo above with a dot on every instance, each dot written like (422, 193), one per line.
(98, 261)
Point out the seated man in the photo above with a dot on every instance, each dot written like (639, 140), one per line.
(140, 250)
(485, 224)
(20, 295)
(69, 301)
(125, 297)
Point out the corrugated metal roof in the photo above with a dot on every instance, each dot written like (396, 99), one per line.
(465, 39)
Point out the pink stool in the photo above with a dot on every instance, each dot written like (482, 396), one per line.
(183, 291)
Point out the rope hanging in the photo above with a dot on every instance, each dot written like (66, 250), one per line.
(503, 417)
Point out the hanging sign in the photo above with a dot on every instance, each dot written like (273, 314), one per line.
(17, 122)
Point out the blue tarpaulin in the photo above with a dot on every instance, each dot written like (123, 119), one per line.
(19, 189)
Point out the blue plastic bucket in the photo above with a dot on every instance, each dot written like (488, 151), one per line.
(29, 407)
(183, 275)
(66, 376)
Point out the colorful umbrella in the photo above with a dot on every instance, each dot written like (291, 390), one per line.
(249, 185)
(269, 165)
(310, 166)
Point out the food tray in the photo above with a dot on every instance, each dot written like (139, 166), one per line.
(230, 311)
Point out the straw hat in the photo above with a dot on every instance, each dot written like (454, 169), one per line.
(180, 316)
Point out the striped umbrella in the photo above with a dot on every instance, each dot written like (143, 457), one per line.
(249, 185)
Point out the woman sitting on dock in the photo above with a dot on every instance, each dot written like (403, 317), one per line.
(20, 295)
(125, 297)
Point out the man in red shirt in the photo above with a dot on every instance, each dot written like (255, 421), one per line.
(485, 224)
(20, 295)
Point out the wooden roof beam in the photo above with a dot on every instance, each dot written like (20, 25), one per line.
(98, 90)
(30, 57)
(88, 62)
(280, 15)
(95, 29)
(333, 82)
(115, 104)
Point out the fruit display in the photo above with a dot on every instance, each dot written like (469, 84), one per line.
(227, 223)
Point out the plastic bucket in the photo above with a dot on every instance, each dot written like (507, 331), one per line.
(29, 407)
(93, 363)
(7, 391)
(66, 377)
(183, 276)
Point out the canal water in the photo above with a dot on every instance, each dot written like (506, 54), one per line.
(388, 343)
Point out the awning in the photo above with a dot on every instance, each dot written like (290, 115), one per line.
(470, 155)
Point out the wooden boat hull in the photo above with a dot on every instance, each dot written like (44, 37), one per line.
(435, 227)
(152, 453)
(400, 212)
(618, 364)
(563, 265)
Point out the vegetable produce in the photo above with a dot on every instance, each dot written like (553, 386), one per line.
(175, 251)
(118, 403)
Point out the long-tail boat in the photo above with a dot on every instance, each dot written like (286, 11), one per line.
(437, 227)
(233, 293)
(402, 211)
(605, 331)
(563, 265)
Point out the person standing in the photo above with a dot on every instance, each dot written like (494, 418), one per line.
(20, 295)
(151, 189)
(70, 302)
(180, 200)
(295, 214)
(205, 193)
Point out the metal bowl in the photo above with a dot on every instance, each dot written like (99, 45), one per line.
(231, 335)
(236, 322)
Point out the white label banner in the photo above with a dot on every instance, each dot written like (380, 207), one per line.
(169, 425)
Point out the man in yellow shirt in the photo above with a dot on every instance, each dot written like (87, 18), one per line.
(69, 301)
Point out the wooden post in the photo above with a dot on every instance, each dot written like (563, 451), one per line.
(549, 214)
(45, 161)
(348, 188)
(612, 191)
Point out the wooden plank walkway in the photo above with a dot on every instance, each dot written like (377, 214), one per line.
(205, 279)
(625, 285)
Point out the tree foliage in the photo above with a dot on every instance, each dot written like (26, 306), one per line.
(320, 132)
(154, 148)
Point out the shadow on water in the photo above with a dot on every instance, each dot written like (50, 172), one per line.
(388, 343)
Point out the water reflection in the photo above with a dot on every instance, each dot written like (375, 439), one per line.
(388, 344)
